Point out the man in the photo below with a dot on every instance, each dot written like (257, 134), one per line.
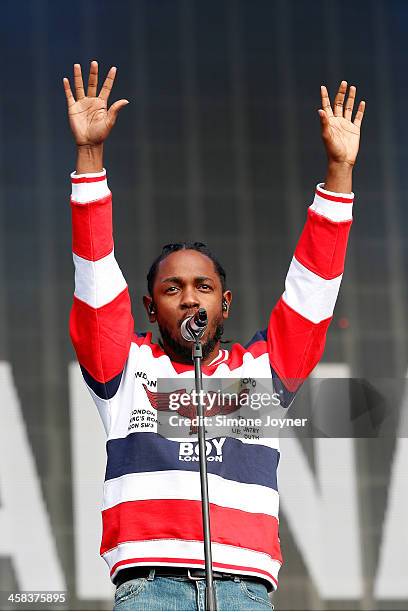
(152, 533)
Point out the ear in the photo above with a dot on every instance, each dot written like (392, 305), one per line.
(227, 296)
(150, 309)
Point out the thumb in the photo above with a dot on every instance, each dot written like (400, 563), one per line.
(114, 110)
(323, 117)
(324, 121)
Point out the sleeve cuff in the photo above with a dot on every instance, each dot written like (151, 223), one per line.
(89, 187)
(88, 176)
(332, 205)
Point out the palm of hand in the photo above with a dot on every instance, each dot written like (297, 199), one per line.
(341, 135)
(89, 116)
(89, 121)
(342, 139)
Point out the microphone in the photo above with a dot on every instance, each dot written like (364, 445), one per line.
(193, 328)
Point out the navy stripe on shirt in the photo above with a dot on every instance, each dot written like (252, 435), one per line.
(103, 390)
(151, 452)
(107, 389)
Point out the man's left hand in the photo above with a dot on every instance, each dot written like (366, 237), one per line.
(341, 135)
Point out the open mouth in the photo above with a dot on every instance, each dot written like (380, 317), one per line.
(187, 316)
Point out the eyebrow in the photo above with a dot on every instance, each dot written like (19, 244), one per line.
(179, 281)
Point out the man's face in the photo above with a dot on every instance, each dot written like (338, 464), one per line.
(187, 280)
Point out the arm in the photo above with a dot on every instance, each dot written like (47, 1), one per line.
(299, 322)
(101, 323)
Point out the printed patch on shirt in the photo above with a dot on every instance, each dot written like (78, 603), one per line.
(143, 418)
(242, 408)
(150, 382)
(187, 406)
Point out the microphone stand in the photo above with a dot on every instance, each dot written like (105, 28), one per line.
(210, 600)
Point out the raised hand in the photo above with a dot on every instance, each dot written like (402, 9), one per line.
(89, 117)
(341, 135)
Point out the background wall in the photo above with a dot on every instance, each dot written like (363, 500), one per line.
(220, 143)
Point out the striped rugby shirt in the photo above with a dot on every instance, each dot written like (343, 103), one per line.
(151, 510)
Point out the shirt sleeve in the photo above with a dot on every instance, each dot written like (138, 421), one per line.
(101, 323)
(298, 323)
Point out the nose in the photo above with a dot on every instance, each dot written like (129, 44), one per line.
(189, 299)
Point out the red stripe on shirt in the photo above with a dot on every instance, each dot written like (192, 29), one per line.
(87, 179)
(220, 359)
(295, 344)
(179, 561)
(92, 228)
(102, 336)
(322, 245)
(181, 519)
(236, 356)
(333, 198)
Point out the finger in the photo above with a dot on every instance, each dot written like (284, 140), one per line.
(326, 106)
(350, 103)
(108, 84)
(79, 85)
(339, 99)
(93, 80)
(114, 110)
(68, 93)
(359, 114)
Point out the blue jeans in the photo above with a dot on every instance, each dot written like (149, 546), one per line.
(184, 593)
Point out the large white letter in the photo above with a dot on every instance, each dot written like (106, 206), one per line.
(88, 469)
(25, 530)
(392, 574)
(322, 512)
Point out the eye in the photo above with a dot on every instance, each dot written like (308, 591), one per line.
(171, 290)
(205, 287)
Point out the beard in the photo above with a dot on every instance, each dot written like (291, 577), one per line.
(184, 351)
